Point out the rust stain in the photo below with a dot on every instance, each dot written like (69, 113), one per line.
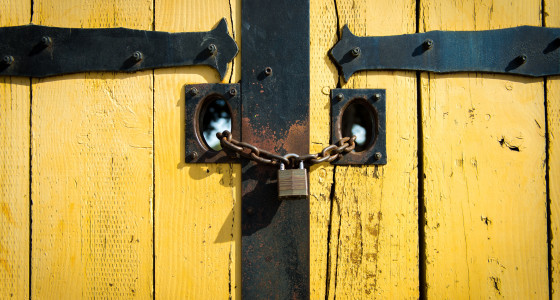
(296, 137)
(6, 212)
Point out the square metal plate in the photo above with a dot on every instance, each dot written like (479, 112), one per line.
(371, 107)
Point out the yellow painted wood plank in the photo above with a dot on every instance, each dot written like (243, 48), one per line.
(323, 78)
(92, 158)
(373, 240)
(197, 206)
(552, 19)
(14, 170)
(485, 197)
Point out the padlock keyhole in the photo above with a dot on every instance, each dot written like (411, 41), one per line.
(359, 118)
(214, 117)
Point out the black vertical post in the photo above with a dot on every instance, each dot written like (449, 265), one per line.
(275, 117)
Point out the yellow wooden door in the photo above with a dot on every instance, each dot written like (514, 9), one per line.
(97, 202)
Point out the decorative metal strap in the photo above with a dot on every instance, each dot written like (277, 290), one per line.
(39, 51)
(525, 50)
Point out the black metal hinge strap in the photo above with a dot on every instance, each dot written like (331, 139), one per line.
(40, 51)
(525, 50)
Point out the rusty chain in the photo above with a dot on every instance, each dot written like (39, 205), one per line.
(233, 147)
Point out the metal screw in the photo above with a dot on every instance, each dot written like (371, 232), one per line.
(8, 60)
(46, 41)
(250, 211)
(193, 155)
(232, 92)
(428, 44)
(377, 155)
(268, 71)
(212, 49)
(193, 91)
(356, 51)
(339, 97)
(522, 59)
(377, 96)
(137, 56)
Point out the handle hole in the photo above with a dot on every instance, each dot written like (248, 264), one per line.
(215, 117)
(359, 119)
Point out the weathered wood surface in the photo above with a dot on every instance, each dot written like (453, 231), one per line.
(484, 167)
(92, 168)
(552, 19)
(197, 207)
(364, 230)
(92, 176)
(14, 170)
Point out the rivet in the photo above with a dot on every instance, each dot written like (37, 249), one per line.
(212, 49)
(193, 155)
(193, 91)
(377, 155)
(268, 71)
(377, 96)
(46, 41)
(356, 51)
(428, 44)
(232, 92)
(339, 97)
(137, 56)
(8, 60)
(522, 59)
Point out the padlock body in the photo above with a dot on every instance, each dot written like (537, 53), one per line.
(292, 183)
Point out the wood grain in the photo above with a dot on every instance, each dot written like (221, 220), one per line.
(92, 157)
(373, 237)
(323, 78)
(552, 19)
(484, 167)
(197, 207)
(14, 170)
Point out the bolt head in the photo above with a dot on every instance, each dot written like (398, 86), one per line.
(268, 71)
(339, 97)
(193, 91)
(137, 56)
(232, 92)
(428, 44)
(8, 60)
(250, 211)
(377, 96)
(46, 41)
(212, 49)
(377, 155)
(522, 59)
(193, 155)
(356, 51)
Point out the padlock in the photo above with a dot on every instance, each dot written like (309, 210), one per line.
(292, 183)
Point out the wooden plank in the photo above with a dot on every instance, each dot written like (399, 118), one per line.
(197, 228)
(92, 157)
(372, 230)
(14, 170)
(323, 78)
(552, 19)
(484, 170)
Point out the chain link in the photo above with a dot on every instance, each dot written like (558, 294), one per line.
(234, 148)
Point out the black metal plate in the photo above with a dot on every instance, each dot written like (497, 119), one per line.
(496, 51)
(74, 50)
(275, 233)
(378, 108)
(196, 150)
